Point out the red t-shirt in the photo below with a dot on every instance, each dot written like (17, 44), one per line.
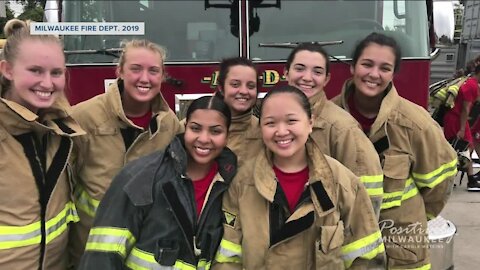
(142, 121)
(201, 186)
(293, 185)
(451, 121)
(467, 92)
(365, 122)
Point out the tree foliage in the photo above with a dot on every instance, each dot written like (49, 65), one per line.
(33, 14)
(31, 4)
(32, 10)
(3, 21)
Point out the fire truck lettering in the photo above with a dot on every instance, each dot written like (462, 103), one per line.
(270, 77)
(214, 81)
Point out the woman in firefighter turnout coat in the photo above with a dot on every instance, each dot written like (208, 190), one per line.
(418, 163)
(294, 207)
(335, 131)
(164, 210)
(35, 152)
(129, 121)
(238, 86)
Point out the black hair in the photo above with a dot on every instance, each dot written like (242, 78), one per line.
(210, 103)
(311, 47)
(469, 67)
(227, 63)
(477, 60)
(300, 96)
(382, 40)
(476, 70)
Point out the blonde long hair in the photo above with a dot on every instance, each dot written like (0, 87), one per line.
(17, 32)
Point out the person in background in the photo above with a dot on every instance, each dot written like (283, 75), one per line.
(164, 211)
(334, 130)
(292, 207)
(473, 116)
(36, 131)
(456, 122)
(130, 120)
(419, 165)
(238, 86)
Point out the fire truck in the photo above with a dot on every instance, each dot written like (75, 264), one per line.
(198, 34)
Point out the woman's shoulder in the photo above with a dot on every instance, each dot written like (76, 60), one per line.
(90, 110)
(344, 176)
(337, 117)
(413, 115)
(138, 177)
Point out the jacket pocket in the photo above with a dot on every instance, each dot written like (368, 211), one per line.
(396, 169)
(167, 252)
(328, 247)
(399, 254)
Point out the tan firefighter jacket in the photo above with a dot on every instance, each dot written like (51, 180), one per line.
(244, 137)
(339, 135)
(112, 140)
(419, 166)
(36, 201)
(333, 226)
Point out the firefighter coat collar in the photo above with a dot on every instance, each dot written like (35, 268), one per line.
(17, 119)
(319, 173)
(241, 122)
(140, 187)
(114, 100)
(317, 102)
(390, 103)
(246, 123)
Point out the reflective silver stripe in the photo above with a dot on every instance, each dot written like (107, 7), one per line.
(399, 198)
(396, 198)
(110, 239)
(139, 258)
(85, 202)
(148, 265)
(228, 253)
(20, 237)
(359, 252)
(7, 240)
(426, 182)
(369, 185)
(57, 225)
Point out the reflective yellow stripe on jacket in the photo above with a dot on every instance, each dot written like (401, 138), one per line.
(424, 267)
(365, 248)
(229, 252)
(430, 180)
(110, 239)
(373, 184)
(84, 202)
(392, 199)
(21, 236)
(142, 260)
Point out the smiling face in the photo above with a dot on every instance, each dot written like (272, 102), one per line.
(374, 70)
(37, 74)
(205, 136)
(142, 74)
(308, 72)
(240, 89)
(285, 126)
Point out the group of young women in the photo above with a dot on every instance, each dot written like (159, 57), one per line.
(118, 182)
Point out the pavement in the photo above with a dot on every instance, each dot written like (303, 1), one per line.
(463, 209)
